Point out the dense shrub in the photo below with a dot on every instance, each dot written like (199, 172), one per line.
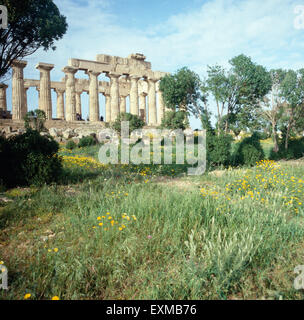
(218, 149)
(134, 122)
(295, 150)
(29, 159)
(249, 151)
(71, 145)
(86, 142)
(175, 120)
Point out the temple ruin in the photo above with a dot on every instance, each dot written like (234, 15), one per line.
(131, 76)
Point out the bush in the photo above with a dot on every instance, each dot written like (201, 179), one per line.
(218, 149)
(71, 145)
(175, 120)
(29, 159)
(295, 150)
(134, 122)
(86, 142)
(35, 120)
(249, 151)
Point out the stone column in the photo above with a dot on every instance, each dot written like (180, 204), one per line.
(18, 90)
(161, 106)
(70, 93)
(142, 106)
(152, 102)
(78, 101)
(25, 99)
(60, 104)
(114, 91)
(134, 108)
(123, 104)
(94, 95)
(3, 101)
(45, 98)
(108, 107)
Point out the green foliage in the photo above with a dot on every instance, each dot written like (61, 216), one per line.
(35, 120)
(292, 93)
(295, 150)
(32, 24)
(249, 151)
(181, 91)
(86, 141)
(238, 91)
(135, 122)
(218, 149)
(175, 120)
(71, 145)
(29, 159)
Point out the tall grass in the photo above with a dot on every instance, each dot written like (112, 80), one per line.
(165, 242)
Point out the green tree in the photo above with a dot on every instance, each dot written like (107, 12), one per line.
(32, 24)
(35, 120)
(181, 91)
(272, 105)
(292, 93)
(238, 91)
(135, 122)
(175, 120)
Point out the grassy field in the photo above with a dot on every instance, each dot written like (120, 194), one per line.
(148, 232)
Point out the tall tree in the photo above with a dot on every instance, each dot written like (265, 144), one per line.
(292, 93)
(239, 90)
(32, 24)
(181, 91)
(272, 104)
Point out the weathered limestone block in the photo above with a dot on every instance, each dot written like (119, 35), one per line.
(94, 98)
(53, 132)
(142, 106)
(68, 133)
(122, 104)
(18, 108)
(45, 98)
(78, 102)
(152, 102)
(3, 101)
(60, 103)
(70, 93)
(161, 106)
(114, 95)
(134, 107)
(108, 107)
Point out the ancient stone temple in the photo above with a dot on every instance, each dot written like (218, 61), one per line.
(131, 76)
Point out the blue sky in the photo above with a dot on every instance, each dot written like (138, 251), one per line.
(173, 34)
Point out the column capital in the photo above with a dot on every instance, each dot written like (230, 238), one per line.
(79, 91)
(70, 70)
(153, 80)
(114, 75)
(134, 77)
(44, 66)
(93, 72)
(144, 94)
(59, 90)
(19, 63)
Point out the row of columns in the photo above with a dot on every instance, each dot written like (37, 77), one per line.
(115, 103)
